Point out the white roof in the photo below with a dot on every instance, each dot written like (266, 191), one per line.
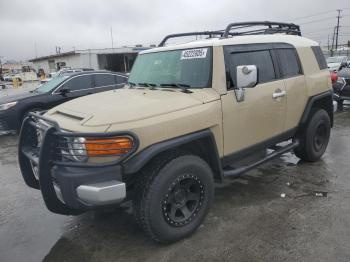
(296, 41)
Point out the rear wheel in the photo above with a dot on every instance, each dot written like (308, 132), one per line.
(315, 137)
(173, 197)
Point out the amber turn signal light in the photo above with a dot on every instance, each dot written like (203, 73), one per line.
(108, 146)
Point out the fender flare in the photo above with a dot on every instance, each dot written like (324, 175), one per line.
(312, 100)
(138, 161)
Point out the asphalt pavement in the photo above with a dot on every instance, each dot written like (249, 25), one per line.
(285, 210)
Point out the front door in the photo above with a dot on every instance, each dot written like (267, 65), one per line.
(260, 116)
(77, 86)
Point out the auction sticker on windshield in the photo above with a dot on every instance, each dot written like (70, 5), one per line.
(194, 53)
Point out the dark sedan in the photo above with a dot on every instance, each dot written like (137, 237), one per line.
(59, 90)
(341, 85)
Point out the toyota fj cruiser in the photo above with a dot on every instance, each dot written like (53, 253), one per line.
(189, 114)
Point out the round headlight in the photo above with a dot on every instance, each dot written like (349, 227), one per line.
(78, 149)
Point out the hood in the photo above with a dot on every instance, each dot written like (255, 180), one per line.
(16, 97)
(128, 105)
(333, 66)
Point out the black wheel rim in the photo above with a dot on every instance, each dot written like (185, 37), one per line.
(320, 137)
(183, 200)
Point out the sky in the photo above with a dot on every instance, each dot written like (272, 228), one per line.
(34, 28)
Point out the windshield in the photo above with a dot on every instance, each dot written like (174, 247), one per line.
(54, 82)
(336, 59)
(187, 68)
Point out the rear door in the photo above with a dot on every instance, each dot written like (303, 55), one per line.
(291, 72)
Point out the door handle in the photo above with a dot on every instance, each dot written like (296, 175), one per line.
(278, 93)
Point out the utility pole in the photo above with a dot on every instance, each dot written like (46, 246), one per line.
(328, 43)
(333, 38)
(112, 36)
(336, 40)
(1, 66)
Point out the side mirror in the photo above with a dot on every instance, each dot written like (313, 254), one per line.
(247, 76)
(64, 91)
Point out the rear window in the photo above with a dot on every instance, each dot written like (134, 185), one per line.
(104, 80)
(289, 62)
(322, 64)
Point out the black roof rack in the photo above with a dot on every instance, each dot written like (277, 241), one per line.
(235, 29)
(210, 34)
(270, 28)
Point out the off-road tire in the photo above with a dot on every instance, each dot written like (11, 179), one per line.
(158, 183)
(315, 136)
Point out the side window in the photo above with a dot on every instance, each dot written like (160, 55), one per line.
(79, 83)
(121, 79)
(319, 57)
(262, 59)
(104, 80)
(289, 62)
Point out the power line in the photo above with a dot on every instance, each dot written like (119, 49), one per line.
(313, 15)
(320, 30)
(318, 20)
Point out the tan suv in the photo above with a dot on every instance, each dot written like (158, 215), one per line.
(188, 116)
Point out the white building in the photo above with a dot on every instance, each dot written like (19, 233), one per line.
(114, 59)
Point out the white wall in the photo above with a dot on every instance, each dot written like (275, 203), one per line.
(85, 60)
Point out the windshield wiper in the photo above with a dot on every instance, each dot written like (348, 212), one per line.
(183, 87)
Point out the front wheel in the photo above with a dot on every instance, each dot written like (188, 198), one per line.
(315, 137)
(173, 197)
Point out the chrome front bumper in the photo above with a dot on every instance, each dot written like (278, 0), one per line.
(98, 194)
(103, 193)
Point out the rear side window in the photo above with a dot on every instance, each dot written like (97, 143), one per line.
(104, 80)
(319, 57)
(262, 59)
(289, 62)
(121, 79)
(79, 83)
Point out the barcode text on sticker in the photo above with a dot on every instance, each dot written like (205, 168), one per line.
(194, 53)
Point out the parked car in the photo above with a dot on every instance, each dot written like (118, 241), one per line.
(341, 85)
(189, 113)
(335, 62)
(61, 89)
(64, 71)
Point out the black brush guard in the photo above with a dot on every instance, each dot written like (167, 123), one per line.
(46, 158)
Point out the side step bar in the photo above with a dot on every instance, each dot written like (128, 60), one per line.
(278, 152)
